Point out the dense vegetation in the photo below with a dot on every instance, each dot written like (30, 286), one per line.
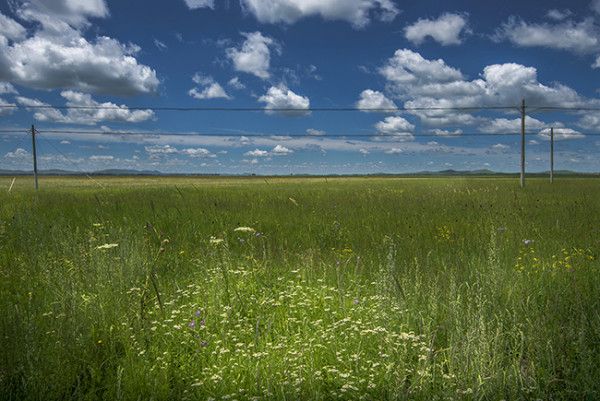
(173, 288)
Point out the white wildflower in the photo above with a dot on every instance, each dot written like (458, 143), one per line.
(245, 230)
(107, 246)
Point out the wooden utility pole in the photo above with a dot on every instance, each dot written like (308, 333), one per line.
(35, 172)
(522, 143)
(552, 155)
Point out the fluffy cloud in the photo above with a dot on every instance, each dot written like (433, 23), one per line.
(80, 114)
(561, 134)
(445, 30)
(11, 29)
(209, 88)
(370, 99)
(254, 57)
(18, 153)
(439, 88)
(6, 87)
(104, 66)
(160, 151)
(57, 55)
(397, 127)
(357, 12)
(443, 132)
(101, 158)
(73, 12)
(235, 83)
(280, 97)
(4, 111)
(197, 152)
(507, 126)
(559, 15)
(278, 150)
(257, 153)
(393, 151)
(193, 4)
(578, 37)
(500, 147)
(590, 122)
(410, 68)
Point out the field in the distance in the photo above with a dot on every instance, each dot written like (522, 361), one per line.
(346, 288)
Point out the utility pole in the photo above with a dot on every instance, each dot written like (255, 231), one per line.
(35, 173)
(552, 155)
(522, 143)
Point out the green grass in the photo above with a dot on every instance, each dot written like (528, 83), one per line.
(350, 288)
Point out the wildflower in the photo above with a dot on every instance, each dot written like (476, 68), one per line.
(192, 324)
(215, 240)
(107, 246)
(527, 242)
(244, 230)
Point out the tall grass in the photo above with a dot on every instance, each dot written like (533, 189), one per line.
(347, 289)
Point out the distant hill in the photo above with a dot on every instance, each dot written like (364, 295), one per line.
(58, 172)
(440, 173)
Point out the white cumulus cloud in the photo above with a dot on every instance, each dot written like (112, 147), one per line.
(398, 127)
(358, 12)
(56, 55)
(254, 56)
(194, 4)
(578, 37)
(280, 150)
(446, 29)
(561, 134)
(209, 89)
(371, 99)
(440, 94)
(97, 111)
(18, 153)
(280, 97)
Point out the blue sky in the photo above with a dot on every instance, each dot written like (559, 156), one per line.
(298, 54)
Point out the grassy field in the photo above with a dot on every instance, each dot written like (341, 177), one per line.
(346, 288)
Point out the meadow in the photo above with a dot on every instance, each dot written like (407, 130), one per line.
(299, 288)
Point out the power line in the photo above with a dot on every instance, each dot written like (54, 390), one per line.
(297, 109)
(267, 109)
(283, 136)
(330, 135)
(273, 136)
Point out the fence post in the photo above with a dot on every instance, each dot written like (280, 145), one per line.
(35, 171)
(552, 155)
(522, 143)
